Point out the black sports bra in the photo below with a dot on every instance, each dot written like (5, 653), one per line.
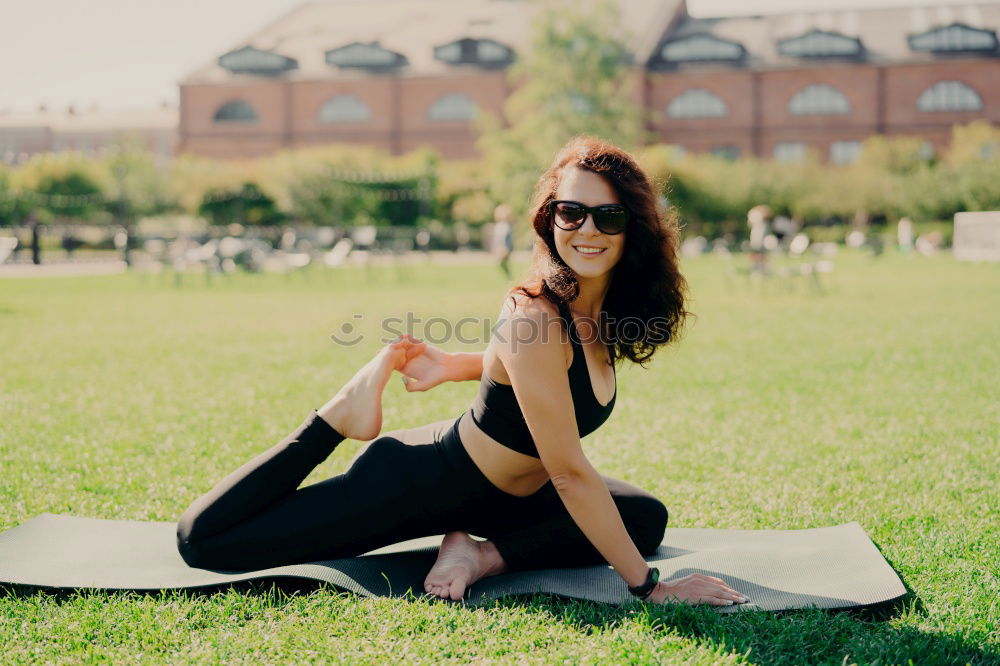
(496, 412)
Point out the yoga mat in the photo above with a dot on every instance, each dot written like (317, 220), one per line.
(826, 567)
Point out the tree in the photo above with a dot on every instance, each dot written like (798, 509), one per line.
(62, 186)
(245, 205)
(137, 183)
(463, 192)
(135, 187)
(71, 195)
(53, 186)
(328, 197)
(14, 208)
(190, 178)
(976, 143)
(573, 79)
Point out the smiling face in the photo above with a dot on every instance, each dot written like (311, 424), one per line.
(588, 251)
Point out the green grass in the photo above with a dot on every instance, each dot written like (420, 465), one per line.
(126, 397)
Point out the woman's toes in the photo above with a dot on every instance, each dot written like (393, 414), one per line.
(397, 354)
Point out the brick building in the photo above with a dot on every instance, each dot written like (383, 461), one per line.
(399, 74)
(89, 131)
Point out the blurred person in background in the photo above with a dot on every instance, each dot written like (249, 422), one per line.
(503, 237)
(759, 221)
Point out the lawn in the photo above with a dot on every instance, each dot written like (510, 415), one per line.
(878, 401)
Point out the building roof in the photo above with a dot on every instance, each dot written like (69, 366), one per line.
(405, 34)
(413, 28)
(884, 34)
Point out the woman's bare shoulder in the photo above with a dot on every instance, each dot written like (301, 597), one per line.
(526, 324)
(517, 304)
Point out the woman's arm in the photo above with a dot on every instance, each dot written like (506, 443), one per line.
(529, 345)
(537, 367)
(434, 366)
(465, 366)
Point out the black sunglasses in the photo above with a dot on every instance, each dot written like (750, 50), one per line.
(610, 219)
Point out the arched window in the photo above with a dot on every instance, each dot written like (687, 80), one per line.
(359, 54)
(790, 151)
(697, 103)
(478, 51)
(820, 43)
(955, 37)
(236, 111)
(949, 96)
(453, 106)
(726, 151)
(251, 60)
(345, 109)
(818, 99)
(491, 51)
(701, 47)
(451, 52)
(845, 152)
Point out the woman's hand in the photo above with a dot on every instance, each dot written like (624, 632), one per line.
(427, 369)
(696, 588)
(404, 348)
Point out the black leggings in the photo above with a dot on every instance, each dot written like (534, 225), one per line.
(404, 485)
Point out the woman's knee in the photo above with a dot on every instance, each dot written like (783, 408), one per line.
(647, 522)
(188, 541)
(191, 542)
(198, 552)
(187, 546)
(376, 452)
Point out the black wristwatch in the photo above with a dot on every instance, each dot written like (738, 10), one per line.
(644, 590)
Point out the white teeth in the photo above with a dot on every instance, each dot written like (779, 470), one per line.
(589, 250)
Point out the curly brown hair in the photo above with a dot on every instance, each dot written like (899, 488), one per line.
(644, 305)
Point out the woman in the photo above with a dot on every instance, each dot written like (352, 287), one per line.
(511, 468)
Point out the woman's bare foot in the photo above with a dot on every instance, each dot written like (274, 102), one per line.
(356, 411)
(461, 561)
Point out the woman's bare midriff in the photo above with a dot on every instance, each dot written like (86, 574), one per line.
(512, 472)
